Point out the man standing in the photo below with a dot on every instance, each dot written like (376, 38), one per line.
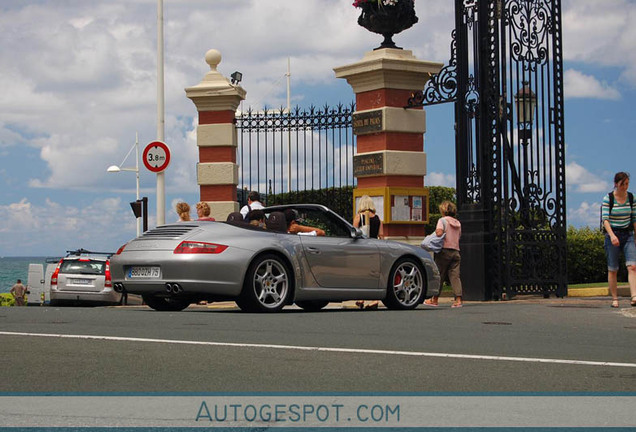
(253, 203)
(18, 290)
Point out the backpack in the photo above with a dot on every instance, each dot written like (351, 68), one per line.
(630, 196)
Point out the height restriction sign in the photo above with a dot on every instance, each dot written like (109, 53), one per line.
(156, 156)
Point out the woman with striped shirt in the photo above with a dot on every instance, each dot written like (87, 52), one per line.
(619, 221)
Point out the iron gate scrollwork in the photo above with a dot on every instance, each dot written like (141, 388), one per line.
(507, 63)
(513, 146)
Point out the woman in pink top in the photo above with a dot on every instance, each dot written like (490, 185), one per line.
(448, 258)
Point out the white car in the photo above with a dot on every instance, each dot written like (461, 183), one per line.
(83, 276)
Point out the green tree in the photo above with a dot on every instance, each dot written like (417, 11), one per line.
(436, 195)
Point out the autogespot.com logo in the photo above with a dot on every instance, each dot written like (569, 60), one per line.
(305, 413)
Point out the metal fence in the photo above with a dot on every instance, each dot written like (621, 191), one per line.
(305, 154)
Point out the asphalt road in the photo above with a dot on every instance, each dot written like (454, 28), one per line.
(526, 345)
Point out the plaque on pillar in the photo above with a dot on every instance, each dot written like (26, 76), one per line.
(367, 122)
(368, 164)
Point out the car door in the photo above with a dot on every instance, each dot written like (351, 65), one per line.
(340, 262)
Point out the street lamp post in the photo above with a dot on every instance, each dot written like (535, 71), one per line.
(161, 182)
(118, 168)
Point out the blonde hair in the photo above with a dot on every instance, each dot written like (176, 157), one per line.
(366, 204)
(447, 208)
(204, 207)
(183, 210)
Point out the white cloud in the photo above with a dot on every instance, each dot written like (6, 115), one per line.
(585, 215)
(579, 179)
(580, 85)
(601, 33)
(440, 179)
(53, 228)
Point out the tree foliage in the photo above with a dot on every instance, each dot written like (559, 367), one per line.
(436, 195)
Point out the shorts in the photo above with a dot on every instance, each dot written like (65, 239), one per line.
(626, 239)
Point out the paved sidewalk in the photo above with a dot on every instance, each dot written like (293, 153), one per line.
(445, 303)
(580, 296)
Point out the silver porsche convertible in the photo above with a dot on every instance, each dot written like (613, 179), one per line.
(263, 268)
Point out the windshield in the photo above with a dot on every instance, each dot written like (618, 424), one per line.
(88, 267)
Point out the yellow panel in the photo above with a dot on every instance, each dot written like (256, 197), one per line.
(387, 212)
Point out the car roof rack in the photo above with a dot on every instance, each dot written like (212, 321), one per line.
(81, 251)
(52, 260)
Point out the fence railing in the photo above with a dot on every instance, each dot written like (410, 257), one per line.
(284, 154)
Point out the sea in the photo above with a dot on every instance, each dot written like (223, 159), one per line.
(14, 268)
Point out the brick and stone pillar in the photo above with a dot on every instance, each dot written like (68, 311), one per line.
(390, 162)
(216, 100)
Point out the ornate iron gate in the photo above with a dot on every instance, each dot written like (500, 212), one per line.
(506, 79)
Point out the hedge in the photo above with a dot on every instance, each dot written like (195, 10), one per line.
(6, 299)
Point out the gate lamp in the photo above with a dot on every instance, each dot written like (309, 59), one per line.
(237, 77)
(525, 104)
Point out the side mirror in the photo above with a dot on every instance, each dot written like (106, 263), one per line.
(356, 233)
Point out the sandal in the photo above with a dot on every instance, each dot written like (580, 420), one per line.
(429, 302)
(457, 305)
(360, 304)
(615, 303)
(633, 303)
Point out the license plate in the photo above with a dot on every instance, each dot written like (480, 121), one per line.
(81, 281)
(144, 272)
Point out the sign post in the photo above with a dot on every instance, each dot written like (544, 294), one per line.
(156, 159)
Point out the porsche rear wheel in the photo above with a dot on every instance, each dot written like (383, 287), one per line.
(406, 285)
(165, 304)
(312, 305)
(267, 285)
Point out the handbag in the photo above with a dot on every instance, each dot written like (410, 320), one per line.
(365, 224)
(432, 242)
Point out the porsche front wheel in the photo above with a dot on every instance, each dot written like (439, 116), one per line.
(406, 285)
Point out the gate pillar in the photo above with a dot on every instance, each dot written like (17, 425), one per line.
(390, 162)
(216, 100)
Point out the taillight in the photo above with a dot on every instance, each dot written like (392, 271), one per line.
(108, 283)
(121, 249)
(190, 247)
(55, 273)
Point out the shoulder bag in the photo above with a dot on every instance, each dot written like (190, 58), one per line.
(432, 242)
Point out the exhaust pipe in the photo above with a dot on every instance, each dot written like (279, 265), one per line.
(173, 288)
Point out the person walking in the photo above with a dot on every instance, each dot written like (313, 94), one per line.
(18, 291)
(183, 210)
(619, 221)
(448, 259)
(253, 203)
(369, 222)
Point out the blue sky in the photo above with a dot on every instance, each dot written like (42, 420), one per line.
(78, 81)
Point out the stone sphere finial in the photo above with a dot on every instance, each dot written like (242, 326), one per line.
(213, 58)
